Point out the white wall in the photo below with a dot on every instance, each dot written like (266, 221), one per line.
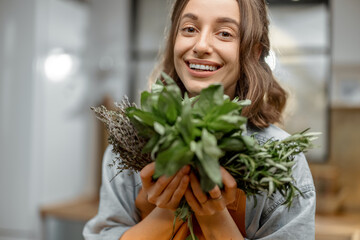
(65, 120)
(346, 53)
(299, 36)
(152, 20)
(47, 131)
(346, 32)
(108, 47)
(299, 27)
(17, 49)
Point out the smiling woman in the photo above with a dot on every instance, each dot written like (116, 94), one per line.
(211, 41)
(232, 36)
(208, 37)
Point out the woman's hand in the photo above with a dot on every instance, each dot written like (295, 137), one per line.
(211, 213)
(165, 192)
(157, 201)
(143, 205)
(203, 205)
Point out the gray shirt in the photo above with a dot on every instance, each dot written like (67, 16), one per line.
(268, 219)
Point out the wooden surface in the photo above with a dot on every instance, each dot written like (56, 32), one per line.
(345, 152)
(80, 209)
(338, 227)
(344, 226)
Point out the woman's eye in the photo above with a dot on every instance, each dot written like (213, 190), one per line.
(225, 34)
(189, 29)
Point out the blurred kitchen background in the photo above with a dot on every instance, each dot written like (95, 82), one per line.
(59, 57)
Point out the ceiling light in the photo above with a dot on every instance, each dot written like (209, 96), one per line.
(58, 65)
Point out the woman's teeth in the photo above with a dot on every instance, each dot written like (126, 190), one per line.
(202, 67)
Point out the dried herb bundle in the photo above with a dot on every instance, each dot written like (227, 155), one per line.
(206, 132)
(123, 136)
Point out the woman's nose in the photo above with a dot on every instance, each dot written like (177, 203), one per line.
(203, 44)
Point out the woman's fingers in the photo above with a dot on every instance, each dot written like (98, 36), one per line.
(179, 192)
(193, 202)
(174, 191)
(215, 193)
(165, 192)
(200, 203)
(143, 204)
(196, 189)
(217, 198)
(153, 189)
(230, 186)
(146, 175)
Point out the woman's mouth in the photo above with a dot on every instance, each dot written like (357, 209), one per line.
(202, 70)
(202, 67)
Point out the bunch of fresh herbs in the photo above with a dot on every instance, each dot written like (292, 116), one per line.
(205, 132)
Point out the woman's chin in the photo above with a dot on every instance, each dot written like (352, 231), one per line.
(195, 89)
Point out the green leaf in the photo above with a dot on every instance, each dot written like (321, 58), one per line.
(146, 101)
(210, 145)
(232, 144)
(167, 79)
(197, 148)
(209, 97)
(244, 103)
(175, 92)
(271, 188)
(227, 107)
(167, 108)
(209, 158)
(233, 119)
(160, 129)
(185, 123)
(151, 144)
(250, 143)
(165, 140)
(171, 86)
(224, 117)
(170, 161)
(206, 183)
(147, 118)
(222, 126)
(142, 128)
(157, 87)
(175, 108)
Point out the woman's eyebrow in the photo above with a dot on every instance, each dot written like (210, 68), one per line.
(190, 15)
(218, 20)
(228, 20)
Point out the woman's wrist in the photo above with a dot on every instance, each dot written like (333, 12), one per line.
(158, 224)
(219, 226)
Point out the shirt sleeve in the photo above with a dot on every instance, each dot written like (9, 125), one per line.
(117, 211)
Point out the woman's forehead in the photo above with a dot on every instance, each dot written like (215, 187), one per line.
(215, 9)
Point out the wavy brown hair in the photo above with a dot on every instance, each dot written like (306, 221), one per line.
(256, 81)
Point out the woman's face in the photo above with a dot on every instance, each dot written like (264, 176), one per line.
(206, 48)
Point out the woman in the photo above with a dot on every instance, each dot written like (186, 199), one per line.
(211, 41)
